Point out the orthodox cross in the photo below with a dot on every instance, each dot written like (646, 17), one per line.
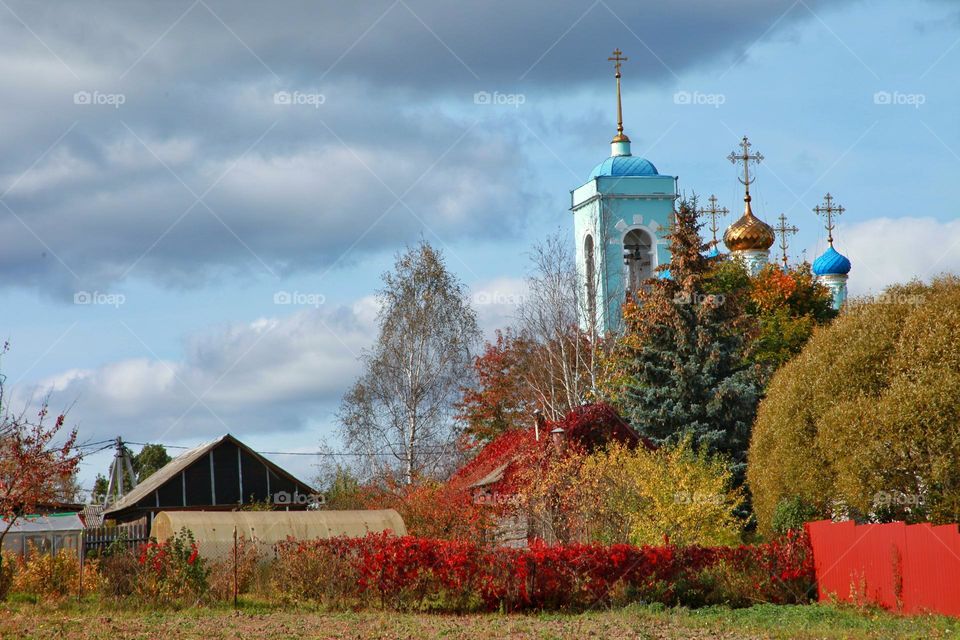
(617, 58)
(745, 157)
(828, 210)
(714, 212)
(783, 230)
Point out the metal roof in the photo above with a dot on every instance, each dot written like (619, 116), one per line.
(180, 463)
(46, 523)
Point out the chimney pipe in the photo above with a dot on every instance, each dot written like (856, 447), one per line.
(558, 436)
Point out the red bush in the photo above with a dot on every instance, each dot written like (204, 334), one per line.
(409, 572)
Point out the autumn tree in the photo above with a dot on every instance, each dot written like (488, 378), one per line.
(783, 305)
(864, 421)
(37, 460)
(399, 413)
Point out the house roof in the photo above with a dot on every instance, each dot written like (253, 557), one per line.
(174, 467)
(590, 426)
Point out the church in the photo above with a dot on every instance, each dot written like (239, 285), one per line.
(622, 216)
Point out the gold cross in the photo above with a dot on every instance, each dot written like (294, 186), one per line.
(782, 230)
(714, 212)
(828, 210)
(745, 157)
(617, 58)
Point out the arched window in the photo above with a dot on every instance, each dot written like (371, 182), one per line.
(591, 275)
(638, 256)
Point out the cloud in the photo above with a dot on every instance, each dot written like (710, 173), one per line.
(497, 302)
(272, 375)
(885, 251)
(117, 120)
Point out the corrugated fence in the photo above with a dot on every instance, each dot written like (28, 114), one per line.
(906, 568)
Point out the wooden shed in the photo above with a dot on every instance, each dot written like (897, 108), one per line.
(220, 475)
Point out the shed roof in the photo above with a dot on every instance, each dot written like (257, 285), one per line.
(46, 522)
(174, 467)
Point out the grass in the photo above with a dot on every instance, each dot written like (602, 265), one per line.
(92, 619)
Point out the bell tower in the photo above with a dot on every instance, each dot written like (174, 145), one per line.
(621, 217)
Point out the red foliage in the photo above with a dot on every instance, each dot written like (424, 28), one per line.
(501, 401)
(433, 510)
(586, 428)
(33, 470)
(404, 571)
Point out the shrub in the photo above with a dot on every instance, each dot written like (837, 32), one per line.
(314, 571)
(241, 569)
(791, 514)
(54, 576)
(637, 496)
(8, 566)
(172, 572)
(419, 573)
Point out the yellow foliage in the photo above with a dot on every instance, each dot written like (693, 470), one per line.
(54, 576)
(640, 496)
(868, 412)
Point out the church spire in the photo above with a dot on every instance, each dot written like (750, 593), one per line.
(620, 145)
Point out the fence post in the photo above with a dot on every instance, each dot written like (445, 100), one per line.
(82, 553)
(236, 585)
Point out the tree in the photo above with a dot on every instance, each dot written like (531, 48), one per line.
(403, 403)
(152, 458)
(500, 400)
(864, 421)
(37, 460)
(546, 363)
(100, 486)
(684, 371)
(562, 360)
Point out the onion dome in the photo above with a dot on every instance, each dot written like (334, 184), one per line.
(749, 232)
(831, 263)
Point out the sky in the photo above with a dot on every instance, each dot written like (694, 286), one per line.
(197, 199)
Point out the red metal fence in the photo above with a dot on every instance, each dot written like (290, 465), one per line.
(907, 568)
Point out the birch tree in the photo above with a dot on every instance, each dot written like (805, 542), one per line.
(399, 413)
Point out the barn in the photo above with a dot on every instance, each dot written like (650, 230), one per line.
(221, 475)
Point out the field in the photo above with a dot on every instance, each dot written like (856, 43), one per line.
(92, 620)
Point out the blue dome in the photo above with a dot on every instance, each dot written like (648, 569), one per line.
(832, 262)
(624, 166)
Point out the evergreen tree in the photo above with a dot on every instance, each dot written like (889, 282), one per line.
(686, 373)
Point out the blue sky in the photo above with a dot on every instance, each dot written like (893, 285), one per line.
(187, 208)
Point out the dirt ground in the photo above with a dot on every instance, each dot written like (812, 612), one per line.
(88, 623)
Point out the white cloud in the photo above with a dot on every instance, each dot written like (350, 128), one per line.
(271, 375)
(885, 251)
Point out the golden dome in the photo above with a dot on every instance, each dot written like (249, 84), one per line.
(749, 232)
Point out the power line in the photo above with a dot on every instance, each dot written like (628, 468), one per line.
(306, 453)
